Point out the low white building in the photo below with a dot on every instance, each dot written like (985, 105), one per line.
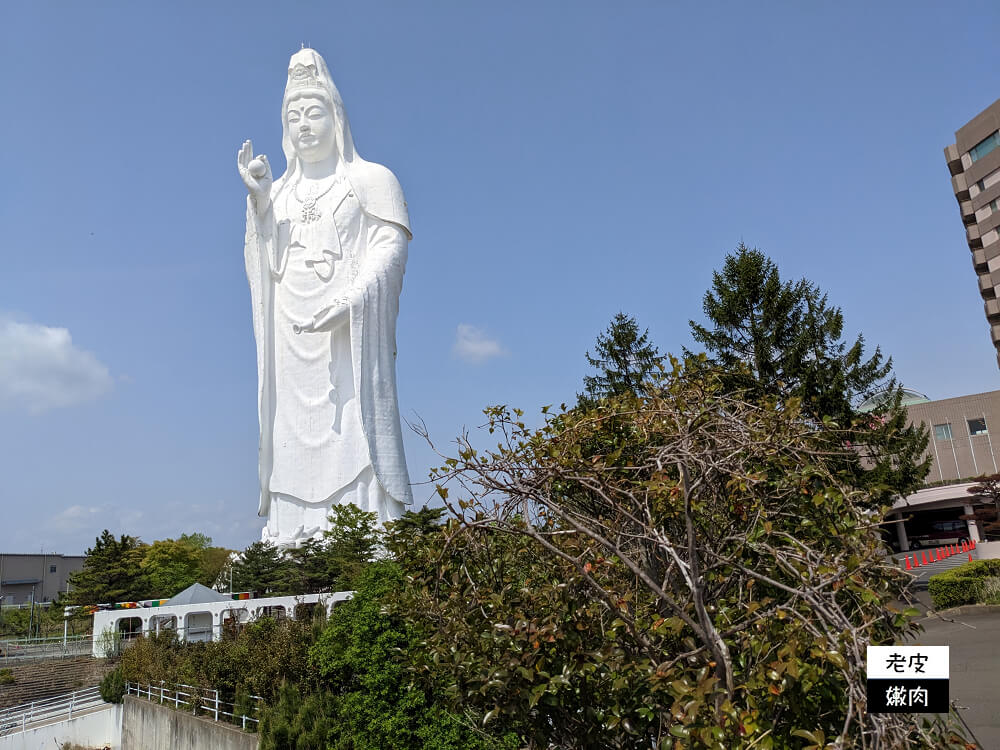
(198, 614)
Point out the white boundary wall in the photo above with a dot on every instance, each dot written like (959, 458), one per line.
(201, 622)
(97, 729)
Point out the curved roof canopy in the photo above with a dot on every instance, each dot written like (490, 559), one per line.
(910, 397)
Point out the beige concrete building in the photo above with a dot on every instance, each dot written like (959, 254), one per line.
(964, 443)
(974, 162)
(961, 442)
(46, 574)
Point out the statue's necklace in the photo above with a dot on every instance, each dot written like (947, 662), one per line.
(310, 212)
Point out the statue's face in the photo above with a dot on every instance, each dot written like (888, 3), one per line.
(311, 128)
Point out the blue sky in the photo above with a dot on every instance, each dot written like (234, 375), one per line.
(561, 161)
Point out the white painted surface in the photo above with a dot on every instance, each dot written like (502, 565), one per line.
(987, 551)
(202, 622)
(907, 662)
(326, 249)
(96, 729)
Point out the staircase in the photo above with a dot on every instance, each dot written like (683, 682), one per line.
(43, 679)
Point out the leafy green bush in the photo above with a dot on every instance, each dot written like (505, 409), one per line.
(6, 677)
(368, 697)
(113, 686)
(963, 585)
(297, 722)
(254, 660)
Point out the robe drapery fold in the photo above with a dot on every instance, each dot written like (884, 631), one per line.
(377, 241)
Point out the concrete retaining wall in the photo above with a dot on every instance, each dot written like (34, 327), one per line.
(150, 726)
(987, 551)
(98, 729)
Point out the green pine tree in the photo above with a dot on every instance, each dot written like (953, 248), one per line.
(783, 339)
(261, 568)
(112, 572)
(624, 360)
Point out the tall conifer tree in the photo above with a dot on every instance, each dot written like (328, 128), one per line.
(783, 339)
(624, 360)
(112, 572)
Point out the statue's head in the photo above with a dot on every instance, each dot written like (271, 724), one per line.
(313, 118)
(311, 127)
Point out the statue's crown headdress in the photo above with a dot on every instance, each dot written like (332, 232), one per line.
(303, 76)
(306, 70)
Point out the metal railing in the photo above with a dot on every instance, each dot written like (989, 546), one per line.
(23, 605)
(200, 702)
(17, 651)
(38, 713)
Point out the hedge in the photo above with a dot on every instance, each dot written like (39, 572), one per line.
(962, 585)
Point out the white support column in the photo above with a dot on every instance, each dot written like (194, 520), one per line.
(904, 541)
(973, 528)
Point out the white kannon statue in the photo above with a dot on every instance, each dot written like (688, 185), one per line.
(325, 254)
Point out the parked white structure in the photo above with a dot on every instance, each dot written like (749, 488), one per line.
(197, 617)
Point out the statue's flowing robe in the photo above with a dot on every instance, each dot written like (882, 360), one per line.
(331, 411)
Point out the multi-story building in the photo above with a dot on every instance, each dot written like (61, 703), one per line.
(961, 447)
(45, 574)
(974, 162)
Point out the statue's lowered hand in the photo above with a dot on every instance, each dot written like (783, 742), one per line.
(256, 175)
(326, 320)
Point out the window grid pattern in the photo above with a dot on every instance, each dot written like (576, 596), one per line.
(942, 431)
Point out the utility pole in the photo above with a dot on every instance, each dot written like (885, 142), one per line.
(31, 612)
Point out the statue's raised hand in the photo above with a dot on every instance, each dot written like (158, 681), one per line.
(256, 175)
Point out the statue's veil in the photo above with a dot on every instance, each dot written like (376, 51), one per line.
(309, 76)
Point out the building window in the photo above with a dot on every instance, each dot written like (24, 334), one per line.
(977, 426)
(989, 180)
(942, 432)
(986, 145)
(52, 568)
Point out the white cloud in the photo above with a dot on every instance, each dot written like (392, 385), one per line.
(41, 369)
(79, 517)
(473, 345)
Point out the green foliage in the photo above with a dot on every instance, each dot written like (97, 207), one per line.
(780, 339)
(298, 722)
(332, 564)
(624, 360)
(709, 581)
(261, 569)
(113, 686)
(256, 659)
(7, 677)
(211, 560)
(170, 566)
(46, 622)
(112, 572)
(125, 569)
(965, 584)
(360, 665)
(349, 544)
